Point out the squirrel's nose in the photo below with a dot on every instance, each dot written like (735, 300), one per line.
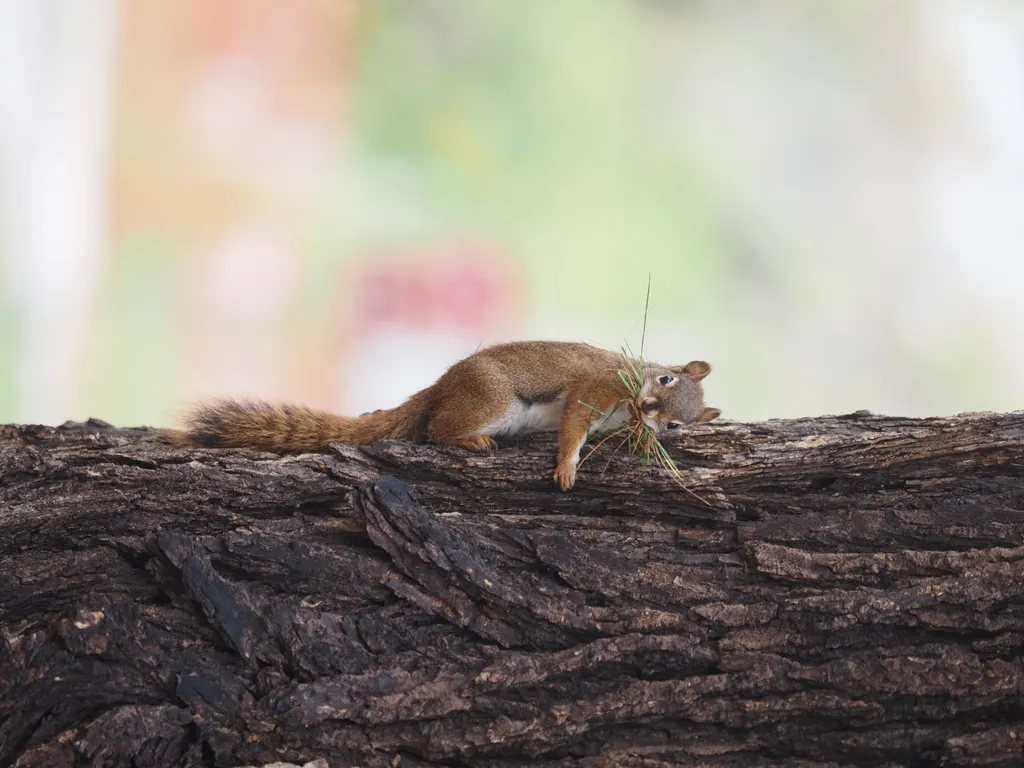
(649, 405)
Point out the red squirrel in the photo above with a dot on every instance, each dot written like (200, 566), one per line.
(504, 390)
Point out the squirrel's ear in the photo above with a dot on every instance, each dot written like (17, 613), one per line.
(695, 369)
(708, 414)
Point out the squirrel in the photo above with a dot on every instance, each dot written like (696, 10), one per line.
(508, 389)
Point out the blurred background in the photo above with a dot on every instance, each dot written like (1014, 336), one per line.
(330, 201)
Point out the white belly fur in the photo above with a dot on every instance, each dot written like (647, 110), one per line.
(523, 419)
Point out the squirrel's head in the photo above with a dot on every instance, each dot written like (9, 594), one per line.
(672, 397)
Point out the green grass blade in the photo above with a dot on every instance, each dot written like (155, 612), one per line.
(647, 304)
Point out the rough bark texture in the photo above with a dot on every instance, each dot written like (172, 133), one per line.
(844, 591)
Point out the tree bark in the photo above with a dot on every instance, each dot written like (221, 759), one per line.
(833, 591)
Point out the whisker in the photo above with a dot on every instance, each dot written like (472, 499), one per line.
(617, 449)
(601, 442)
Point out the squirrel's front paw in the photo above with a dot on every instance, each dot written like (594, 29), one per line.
(565, 476)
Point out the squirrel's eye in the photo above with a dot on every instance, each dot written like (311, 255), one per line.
(675, 424)
(666, 380)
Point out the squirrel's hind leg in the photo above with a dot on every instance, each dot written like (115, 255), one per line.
(469, 419)
(480, 443)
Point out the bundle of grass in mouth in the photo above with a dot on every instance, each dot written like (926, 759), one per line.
(657, 399)
(642, 438)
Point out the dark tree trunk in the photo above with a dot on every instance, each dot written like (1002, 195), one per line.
(831, 591)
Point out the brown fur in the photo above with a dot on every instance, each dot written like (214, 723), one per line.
(295, 428)
(464, 405)
(601, 393)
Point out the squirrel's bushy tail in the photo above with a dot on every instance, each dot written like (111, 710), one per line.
(296, 428)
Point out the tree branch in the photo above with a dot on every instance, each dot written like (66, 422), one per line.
(845, 590)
